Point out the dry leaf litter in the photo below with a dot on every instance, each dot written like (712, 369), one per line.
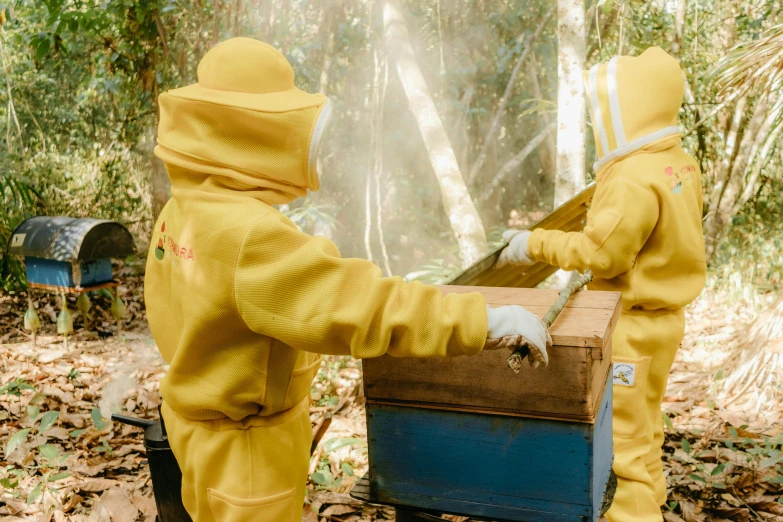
(63, 459)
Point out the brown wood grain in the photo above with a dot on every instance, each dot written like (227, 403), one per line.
(570, 387)
(585, 320)
(72, 290)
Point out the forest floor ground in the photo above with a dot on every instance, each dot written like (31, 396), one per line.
(63, 459)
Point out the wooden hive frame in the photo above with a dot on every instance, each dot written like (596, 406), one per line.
(568, 217)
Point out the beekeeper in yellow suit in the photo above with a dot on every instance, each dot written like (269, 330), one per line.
(241, 303)
(643, 238)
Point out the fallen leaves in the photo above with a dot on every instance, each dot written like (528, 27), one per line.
(62, 458)
(118, 505)
(62, 453)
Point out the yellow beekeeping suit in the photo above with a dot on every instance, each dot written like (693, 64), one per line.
(643, 238)
(241, 303)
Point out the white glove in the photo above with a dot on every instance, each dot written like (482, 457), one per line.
(513, 326)
(516, 253)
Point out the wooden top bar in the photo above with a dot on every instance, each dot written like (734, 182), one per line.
(586, 319)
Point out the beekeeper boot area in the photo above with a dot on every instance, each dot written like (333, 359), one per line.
(528, 251)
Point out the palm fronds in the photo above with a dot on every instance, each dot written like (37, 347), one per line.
(752, 66)
(16, 192)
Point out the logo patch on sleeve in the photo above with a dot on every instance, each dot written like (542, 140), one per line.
(623, 374)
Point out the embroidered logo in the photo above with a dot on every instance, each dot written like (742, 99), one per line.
(684, 175)
(623, 374)
(175, 250)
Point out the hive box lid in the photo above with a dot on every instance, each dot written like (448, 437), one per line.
(571, 387)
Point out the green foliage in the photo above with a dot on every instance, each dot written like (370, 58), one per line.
(48, 462)
(307, 214)
(16, 387)
(436, 272)
(97, 419)
(716, 470)
(750, 256)
(80, 108)
(16, 440)
(48, 420)
(335, 444)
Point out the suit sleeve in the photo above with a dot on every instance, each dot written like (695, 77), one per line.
(617, 229)
(299, 290)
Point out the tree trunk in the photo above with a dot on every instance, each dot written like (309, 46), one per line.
(327, 41)
(368, 218)
(728, 204)
(571, 106)
(750, 186)
(728, 188)
(465, 221)
(570, 178)
(547, 154)
(382, 63)
(216, 22)
(751, 144)
(679, 26)
(159, 180)
(714, 222)
(264, 13)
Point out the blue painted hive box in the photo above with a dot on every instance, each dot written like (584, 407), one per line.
(470, 437)
(70, 255)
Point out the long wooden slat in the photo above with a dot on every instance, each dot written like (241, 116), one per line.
(517, 277)
(568, 217)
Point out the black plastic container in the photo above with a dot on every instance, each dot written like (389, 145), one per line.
(164, 469)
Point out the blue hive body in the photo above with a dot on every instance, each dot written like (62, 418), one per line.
(493, 466)
(49, 272)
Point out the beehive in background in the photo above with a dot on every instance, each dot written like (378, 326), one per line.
(70, 255)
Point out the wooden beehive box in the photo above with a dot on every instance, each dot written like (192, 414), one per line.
(570, 387)
(468, 436)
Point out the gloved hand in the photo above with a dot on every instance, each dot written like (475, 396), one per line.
(513, 326)
(516, 253)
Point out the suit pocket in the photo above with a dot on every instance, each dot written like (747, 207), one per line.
(629, 397)
(274, 508)
(601, 226)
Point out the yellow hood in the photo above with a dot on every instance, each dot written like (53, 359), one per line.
(244, 126)
(633, 102)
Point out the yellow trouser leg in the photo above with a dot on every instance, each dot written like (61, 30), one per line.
(243, 471)
(670, 328)
(644, 345)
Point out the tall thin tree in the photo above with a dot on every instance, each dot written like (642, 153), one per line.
(465, 220)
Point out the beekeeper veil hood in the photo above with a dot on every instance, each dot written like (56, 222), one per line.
(633, 102)
(243, 127)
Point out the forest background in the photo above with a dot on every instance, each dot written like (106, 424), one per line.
(78, 115)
